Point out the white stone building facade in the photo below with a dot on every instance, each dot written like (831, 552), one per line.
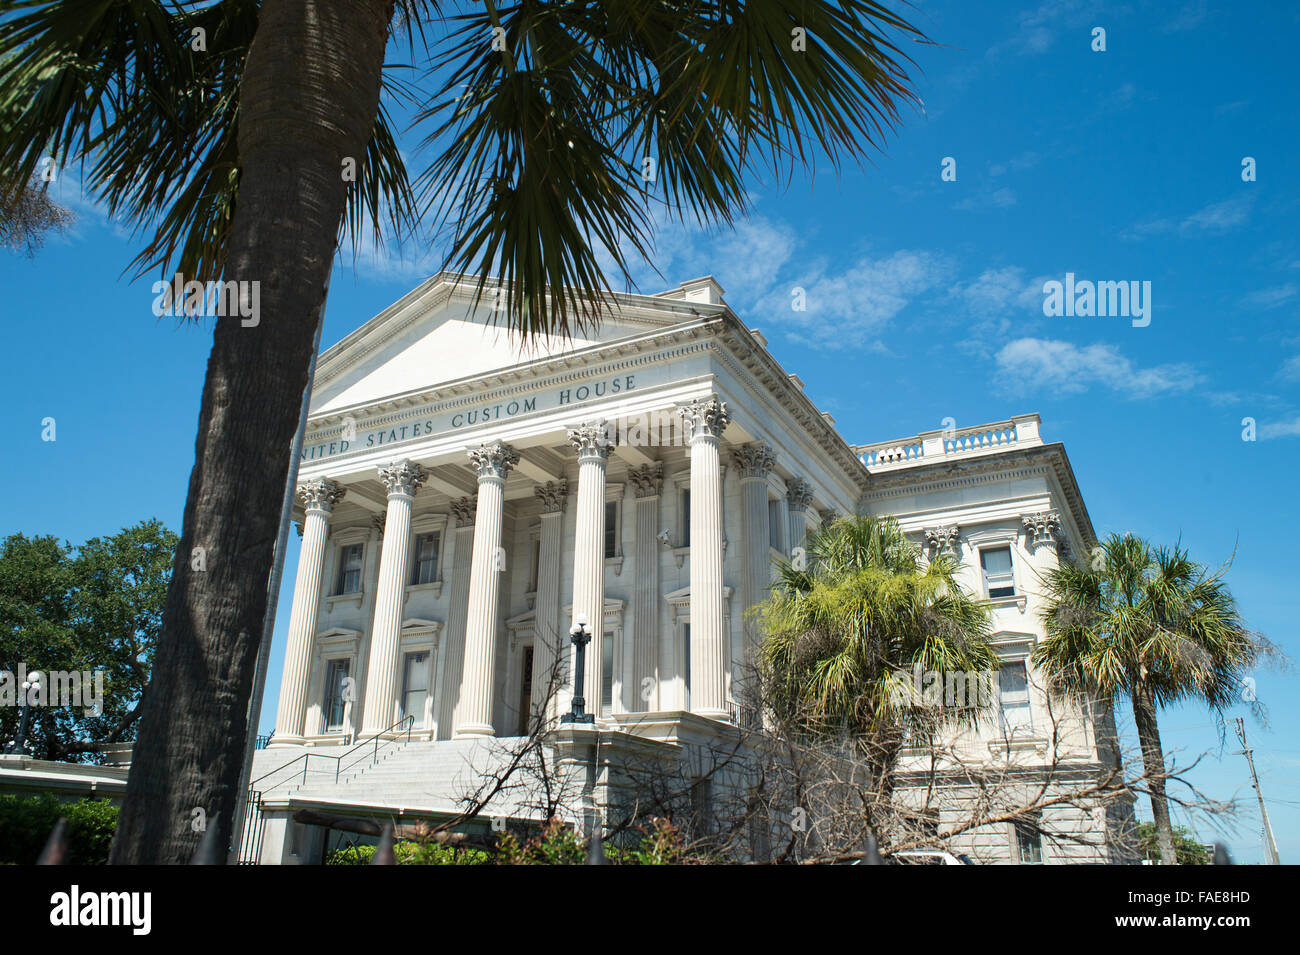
(463, 501)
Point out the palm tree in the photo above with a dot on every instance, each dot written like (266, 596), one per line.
(845, 634)
(226, 131)
(1153, 625)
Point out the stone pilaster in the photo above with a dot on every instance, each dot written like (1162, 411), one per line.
(492, 463)
(646, 483)
(453, 647)
(592, 443)
(799, 497)
(705, 420)
(549, 638)
(319, 498)
(402, 479)
(754, 462)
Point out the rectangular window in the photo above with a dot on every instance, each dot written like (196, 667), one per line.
(774, 535)
(1013, 696)
(611, 528)
(1029, 843)
(525, 691)
(536, 561)
(686, 662)
(425, 568)
(607, 672)
(336, 687)
(415, 685)
(686, 519)
(998, 578)
(349, 581)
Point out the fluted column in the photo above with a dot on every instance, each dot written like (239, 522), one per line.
(492, 462)
(799, 498)
(319, 498)
(754, 463)
(453, 661)
(549, 638)
(593, 445)
(705, 420)
(402, 479)
(646, 482)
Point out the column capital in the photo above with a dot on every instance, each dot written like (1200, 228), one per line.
(591, 441)
(705, 417)
(493, 462)
(754, 461)
(943, 538)
(320, 495)
(553, 495)
(464, 509)
(402, 478)
(646, 480)
(1041, 528)
(798, 494)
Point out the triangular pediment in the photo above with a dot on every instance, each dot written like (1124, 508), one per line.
(431, 336)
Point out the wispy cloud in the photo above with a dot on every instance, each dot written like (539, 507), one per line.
(1273, 296)
(988, 198)
(1214, 219)
(1038, 364)
(1280, 429)
(1188, 17)
(1037, 29)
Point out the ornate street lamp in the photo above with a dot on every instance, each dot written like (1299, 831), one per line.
(580, 636)
(24, 710)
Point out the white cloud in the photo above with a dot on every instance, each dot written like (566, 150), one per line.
(1272, 297)
(1214, 219)
(1280, 429)
(1290, 369)
(850, 308)
(1054, 365)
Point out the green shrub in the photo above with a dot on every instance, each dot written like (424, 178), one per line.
(27, 821)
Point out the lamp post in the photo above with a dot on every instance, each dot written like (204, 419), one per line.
(580, 636)
(24, 709)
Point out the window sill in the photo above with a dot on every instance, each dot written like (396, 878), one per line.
(433, 586)
(1018, 601)
(332, 601)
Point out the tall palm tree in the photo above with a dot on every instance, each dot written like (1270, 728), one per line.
(844, 635)
(1151, 624)
(224, 131)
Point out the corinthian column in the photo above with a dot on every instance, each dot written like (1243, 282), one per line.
(492, 462)
(549, 638)
(705, 419)
(402, 479)
(799, 497)
(453, 663)
(754, 463)
(593, 446)
(646, 482)
(319, 498)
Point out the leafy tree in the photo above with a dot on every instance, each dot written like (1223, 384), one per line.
(95, 607)
(843, 634)
(1151, 624)
(1189, 850)
(539, 117)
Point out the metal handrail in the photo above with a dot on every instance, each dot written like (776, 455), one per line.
(407, 721)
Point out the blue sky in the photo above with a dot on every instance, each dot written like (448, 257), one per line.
(924, 301)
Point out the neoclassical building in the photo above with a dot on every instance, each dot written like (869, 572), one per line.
(464, 501)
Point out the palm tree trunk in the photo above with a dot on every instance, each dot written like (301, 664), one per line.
(308, 100)
(1153, 765)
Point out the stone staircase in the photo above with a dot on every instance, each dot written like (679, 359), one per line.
(419, 776)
